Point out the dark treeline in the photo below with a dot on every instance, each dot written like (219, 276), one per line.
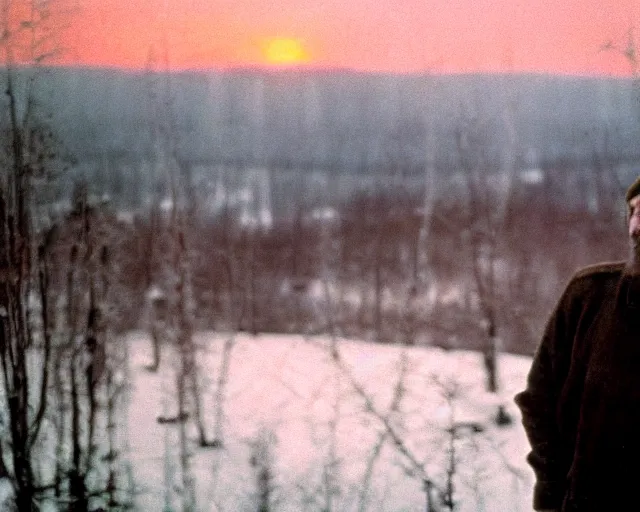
(110, 120)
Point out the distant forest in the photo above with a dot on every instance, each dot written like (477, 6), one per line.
(446, 210)
(111, 122)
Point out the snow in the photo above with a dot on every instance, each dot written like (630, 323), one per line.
(6, 494)
(290, 402)
(532, 176)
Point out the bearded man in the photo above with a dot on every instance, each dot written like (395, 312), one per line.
(581, 406)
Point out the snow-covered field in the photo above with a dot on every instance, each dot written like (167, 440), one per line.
(321, 426)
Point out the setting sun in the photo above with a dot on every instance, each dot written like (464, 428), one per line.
(284, 50)
(364, 35)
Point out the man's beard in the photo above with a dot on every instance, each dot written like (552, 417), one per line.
(634, 253)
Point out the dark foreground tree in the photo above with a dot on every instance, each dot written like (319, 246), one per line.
(57, 365)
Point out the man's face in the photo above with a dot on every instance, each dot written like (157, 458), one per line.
(634, 218)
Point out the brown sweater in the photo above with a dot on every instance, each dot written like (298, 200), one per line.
(581, 407)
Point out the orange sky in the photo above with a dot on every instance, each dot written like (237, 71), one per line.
(373, 35)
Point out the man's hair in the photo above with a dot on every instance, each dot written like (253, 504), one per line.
(633, 190)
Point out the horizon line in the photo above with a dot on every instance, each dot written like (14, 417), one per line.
(310, 69)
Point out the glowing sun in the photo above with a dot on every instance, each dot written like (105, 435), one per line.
(285, 51)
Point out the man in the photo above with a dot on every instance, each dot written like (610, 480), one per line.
(581, 406)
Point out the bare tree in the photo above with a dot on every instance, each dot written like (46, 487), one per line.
(87, 356)
(488, 197)
(177, 275)
(383, 437)
(28, 154)
(629, 51)
(262, 460)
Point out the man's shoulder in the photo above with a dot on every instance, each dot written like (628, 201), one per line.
(610, 269)
(591, 281)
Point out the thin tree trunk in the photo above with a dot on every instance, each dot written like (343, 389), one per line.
(223, 376)
(77, 488)
(196, 392)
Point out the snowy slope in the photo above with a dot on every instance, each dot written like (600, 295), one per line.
(323, 425)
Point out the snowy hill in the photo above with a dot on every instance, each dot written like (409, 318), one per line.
(359, 431)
